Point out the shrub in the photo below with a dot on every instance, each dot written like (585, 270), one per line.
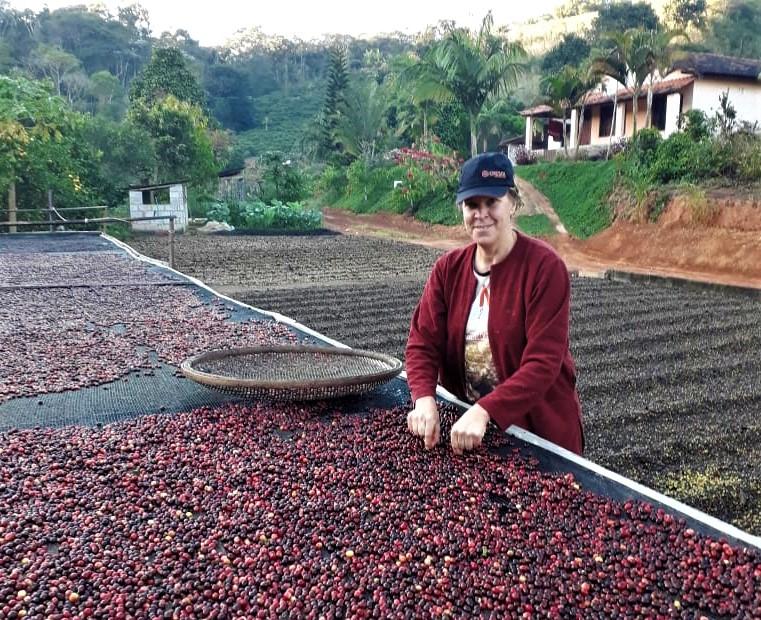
(524, 156)
(679, 157)
(282, 179)
(332, 182)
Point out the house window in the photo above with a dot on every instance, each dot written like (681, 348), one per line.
(161, 196)
(659, 112)
(606, 119)
(147, 197)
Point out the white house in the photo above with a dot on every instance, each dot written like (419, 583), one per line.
(696, 82)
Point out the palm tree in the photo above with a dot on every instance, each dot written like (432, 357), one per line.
(663, 53)
(589, 80)
(627, 56)
(492, 119)
(470, 68)
(426, 82)
(562, 91)
(360, 129)
(609, 64)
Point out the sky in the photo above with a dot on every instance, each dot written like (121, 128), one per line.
(211, 23)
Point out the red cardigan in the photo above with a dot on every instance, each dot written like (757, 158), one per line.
(529, 311)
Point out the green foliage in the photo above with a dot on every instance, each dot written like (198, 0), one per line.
(126, 155)
(283, 180)
(166, 75)
(538, 225)
(418, 183)
(182, 144)
(43, 146)
(335, 100)
(258, 215)
(686, 13)
(570, 50)
(578, 192)
(477, 66)
(696, 124)
(229, 90)
(453, 126)
(679, 157)
(361, 130)
(282, 122)
(621, 16)
(734, 30)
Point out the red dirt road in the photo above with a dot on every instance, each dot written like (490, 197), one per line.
(705, 253)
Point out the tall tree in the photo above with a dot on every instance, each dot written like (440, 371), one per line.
(734, 31)
(335, 97)
(663, 50)
(618, 16)
(609, 63)
(167, 74)
(477, 66)
(53, 63)
(361, 128)
(570, 50)
(629, 52)
(180, 137)
(425, 82)
(684, 14)
(563, 90)
(42, 146)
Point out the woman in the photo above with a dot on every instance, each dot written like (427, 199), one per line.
(492, 325)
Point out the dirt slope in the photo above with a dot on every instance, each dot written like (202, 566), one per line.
(723, 248)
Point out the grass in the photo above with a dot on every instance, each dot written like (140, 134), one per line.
(578, 192)
(538, 225)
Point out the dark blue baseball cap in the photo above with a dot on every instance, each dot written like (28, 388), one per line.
(488, 174)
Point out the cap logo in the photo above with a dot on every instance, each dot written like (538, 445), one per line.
(497, 174)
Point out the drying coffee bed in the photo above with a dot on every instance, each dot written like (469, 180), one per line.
(267, 512)
(670, 378)
(91, 336)
(364, 315)
(240, 263)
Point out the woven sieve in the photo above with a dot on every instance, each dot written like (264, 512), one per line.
(292, 373)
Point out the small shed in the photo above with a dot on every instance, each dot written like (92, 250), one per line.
(162, 199)
(232, 184)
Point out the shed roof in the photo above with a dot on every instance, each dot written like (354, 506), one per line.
(230, 172)
(702, 64)
(141, 188)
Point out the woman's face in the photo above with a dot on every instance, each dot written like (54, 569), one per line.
(488, 220)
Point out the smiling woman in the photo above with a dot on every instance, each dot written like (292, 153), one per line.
(492, 325)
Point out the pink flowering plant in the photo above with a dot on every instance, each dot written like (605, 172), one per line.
(427, 176)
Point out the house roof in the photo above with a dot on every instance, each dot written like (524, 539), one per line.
(659, 88)
(141, 188)
(539, 110)
(513, 140)
(701, 64)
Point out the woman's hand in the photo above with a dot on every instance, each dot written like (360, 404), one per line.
(469, 430)
(424, 422)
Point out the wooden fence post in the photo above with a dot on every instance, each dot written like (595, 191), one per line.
(12, 207)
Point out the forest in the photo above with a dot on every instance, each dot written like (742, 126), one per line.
(91, 101)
